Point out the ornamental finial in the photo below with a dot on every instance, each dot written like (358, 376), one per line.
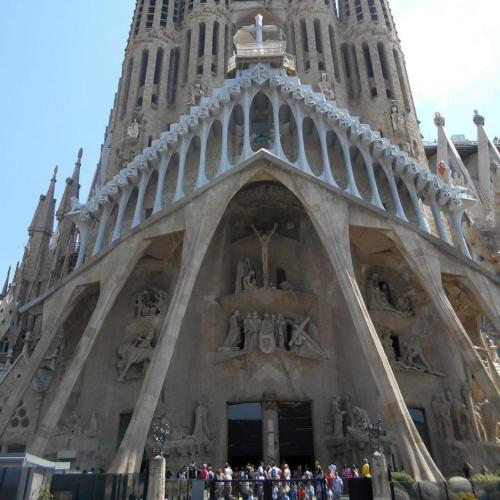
(439, 120)
(478, 119)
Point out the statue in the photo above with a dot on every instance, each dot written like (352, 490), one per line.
(326, 87)
(196, 94)
(338, 418)
(267, 339)
(439, 120)
(444, 172)
(233, 339)
(281, 332)
(265, 240)
(301, 339)
(442, 412)
(150, 302)
(388, 345)
(242, 270)
(360, 423)
(413, 356)
(404, 305)
(249, 281)
(396, 118)
(492, 347)
(201, 431)
(379, 294)
(134, 353)
(478, 119)
(490, 421)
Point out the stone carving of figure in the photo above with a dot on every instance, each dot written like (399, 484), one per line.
(326, 87)
(493, 350)
(134, 129)
(403, 303)
(490, 421)
(457, 413)
(396, 118)
(233, 339)
(249, 281)
(201, 431)
(267, 339)
(197, 94)
(149, 302)
(252, 326)
(444, 172)
(265, 240)
(134, 353)
(28, 342)
(442, 412)
(478, 416)
(388, 347)
(413, 355)
(242, 270)
(338, 418)
(379, 294)
(359, 424)
(281, 332)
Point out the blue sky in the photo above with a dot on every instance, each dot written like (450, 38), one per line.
(60, 62)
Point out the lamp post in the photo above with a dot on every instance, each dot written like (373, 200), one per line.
(374, 434)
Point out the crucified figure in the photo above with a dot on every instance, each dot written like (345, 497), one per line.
(265, 240)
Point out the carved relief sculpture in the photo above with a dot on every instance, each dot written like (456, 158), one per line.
(150, 302)
(380, 298)
(137, 352)
(442, 413)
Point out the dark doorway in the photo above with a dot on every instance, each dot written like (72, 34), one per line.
(244, 434)
(420, 421)
(295, 433)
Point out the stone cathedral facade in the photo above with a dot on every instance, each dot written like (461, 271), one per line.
(266, 261)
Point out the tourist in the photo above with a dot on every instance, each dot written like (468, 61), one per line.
(338, 487)
(204, 472)
(467, 470)
(228, 472)
(355, 471)
(365, 469)
(318, 471)
(330, 479)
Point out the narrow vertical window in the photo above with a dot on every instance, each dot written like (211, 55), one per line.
(187, 54)
(158, 65)
(126, 87)
(333, 48)
(402, 82)
(385, 12)
(359, 10)
(368, 61)
(226, 34)
(172, 76)
(139, 18)
(215, 47)
(151, 14)
(201, 47)
(317, 37)
(179, 8)
(144, 68)
(164, 14)
(303, 32)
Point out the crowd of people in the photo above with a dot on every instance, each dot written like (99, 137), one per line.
(303, 483)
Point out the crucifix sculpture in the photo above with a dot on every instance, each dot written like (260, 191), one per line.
(265, 240)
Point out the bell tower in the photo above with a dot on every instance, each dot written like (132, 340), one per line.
(376, 81)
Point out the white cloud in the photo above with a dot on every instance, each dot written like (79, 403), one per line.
(451, 49)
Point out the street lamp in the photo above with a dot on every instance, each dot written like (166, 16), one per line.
(375, 433)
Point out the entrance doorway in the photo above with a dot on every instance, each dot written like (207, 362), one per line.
(244, 434)
(295, 434)
(271, 432)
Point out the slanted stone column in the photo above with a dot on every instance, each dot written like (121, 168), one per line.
(110, 290)
(202, 217)
(424, 261)
(156, 485)
(330, 215)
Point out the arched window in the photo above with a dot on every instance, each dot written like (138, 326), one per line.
(144, 68)
(368, 61)
(359, 10)
(179, 8)
(158, 65)
(385, 70)
(373, 10)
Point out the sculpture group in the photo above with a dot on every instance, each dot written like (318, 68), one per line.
(267, 333)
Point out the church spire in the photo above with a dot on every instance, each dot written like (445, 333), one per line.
(44, 213)
(6, 285)
(71, 190)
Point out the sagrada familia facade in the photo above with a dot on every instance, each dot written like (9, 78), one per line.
(270, 260)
